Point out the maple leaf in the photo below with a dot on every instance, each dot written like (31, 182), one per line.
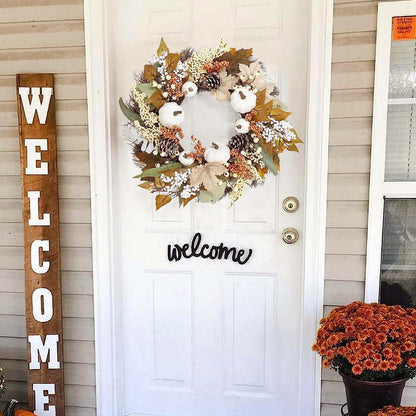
(279, 114)
(235, 58)
(227, 83)
(263, 111)
(207, 175)
(247, 70)
(162, 47)
(261, 97)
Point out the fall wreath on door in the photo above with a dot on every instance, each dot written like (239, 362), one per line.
(154, 110)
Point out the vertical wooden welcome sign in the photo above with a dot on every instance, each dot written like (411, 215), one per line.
(37, 132)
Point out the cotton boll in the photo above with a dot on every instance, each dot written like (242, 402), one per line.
(242, 126)
(243, 100)
(190, 89)
(171, 114)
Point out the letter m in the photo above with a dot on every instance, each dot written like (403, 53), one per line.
(42, 350)
(30, 107)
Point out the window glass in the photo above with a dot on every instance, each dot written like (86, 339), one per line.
(398, 253)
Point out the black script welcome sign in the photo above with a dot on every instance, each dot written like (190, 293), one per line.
(213, 252)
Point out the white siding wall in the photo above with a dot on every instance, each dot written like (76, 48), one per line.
(47, 36)
(355, 24)
(353, 57)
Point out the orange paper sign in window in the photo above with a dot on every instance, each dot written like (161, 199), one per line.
(404, 28)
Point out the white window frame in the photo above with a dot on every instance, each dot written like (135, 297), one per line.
(379, 188)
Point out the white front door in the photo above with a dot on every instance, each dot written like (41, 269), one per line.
(206, 337)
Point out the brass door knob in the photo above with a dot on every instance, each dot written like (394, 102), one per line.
(290, 235)
(290, 204)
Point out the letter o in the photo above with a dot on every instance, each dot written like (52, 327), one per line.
(42, 296)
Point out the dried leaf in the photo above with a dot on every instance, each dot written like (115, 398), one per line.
(172, 61)
(187, 200)
(261, 97)
(146, 185)
(205, 196)
(206, 175)
(298, 140)
(162, 200)
(149, 173)
(226, 85)
(279, 114)
(149, 72)
(144, 159)
(162, 47)
(235, 58)
(147, 88)
(156, 99)
(131, 115)
(268, 159)
(263, 111)
(292, 147)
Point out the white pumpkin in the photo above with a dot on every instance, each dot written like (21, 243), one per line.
(171, 114)
(242, 126)
(190, 88)
(243, 100)
(218, 152)
(185, 159)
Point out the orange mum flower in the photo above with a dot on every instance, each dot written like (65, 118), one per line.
(357, 369)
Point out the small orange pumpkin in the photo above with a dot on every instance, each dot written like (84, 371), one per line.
(10, 410)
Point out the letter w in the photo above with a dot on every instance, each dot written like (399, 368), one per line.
(30, 108)
(38, 349)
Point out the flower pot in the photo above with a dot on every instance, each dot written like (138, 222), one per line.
(364, 397)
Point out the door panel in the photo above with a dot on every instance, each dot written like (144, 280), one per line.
(210, 337)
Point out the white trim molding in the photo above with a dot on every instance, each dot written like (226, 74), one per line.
(379, 189)
(100, 148)
(320, 55)
(108, 367)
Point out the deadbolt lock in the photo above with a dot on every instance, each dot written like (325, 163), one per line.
(290, 235)
(290, 204)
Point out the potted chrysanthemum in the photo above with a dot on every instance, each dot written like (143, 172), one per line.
(395, 411)
(373, 347)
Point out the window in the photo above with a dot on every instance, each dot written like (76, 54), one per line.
(391, 246)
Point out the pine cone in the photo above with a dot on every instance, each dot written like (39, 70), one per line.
(169, 148)
(240, 142)
(210, 81)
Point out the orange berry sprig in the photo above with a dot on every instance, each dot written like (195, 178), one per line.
(199, 150)
(172, 133)
(239, 166)
(216, 66)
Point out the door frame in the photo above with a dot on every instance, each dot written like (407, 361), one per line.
(98, 45)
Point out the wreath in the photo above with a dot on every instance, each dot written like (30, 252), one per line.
(224, 168)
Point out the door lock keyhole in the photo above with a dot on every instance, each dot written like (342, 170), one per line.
(290, 204)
